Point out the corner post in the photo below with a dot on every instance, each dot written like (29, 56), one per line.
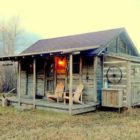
(95, 77)
(34, 82)
(70, 84)
(129, 103)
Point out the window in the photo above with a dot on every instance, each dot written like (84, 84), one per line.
(76, 62)
(27, 65)
(87, 61)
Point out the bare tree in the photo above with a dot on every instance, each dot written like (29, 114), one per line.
(9, 34)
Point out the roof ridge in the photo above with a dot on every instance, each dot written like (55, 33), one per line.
(72, 35)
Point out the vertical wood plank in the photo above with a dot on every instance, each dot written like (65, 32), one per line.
(19, 81)
(34, 81)
(70, 84)
(117, 44)
(66, 79)
(55, 74)
(128, 85)
(80, 69)
(95, 79)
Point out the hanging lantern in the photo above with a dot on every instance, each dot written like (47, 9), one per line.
(60, 64)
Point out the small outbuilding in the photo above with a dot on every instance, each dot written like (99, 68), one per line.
(106, 62)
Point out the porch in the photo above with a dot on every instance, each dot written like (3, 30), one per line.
(48, 105)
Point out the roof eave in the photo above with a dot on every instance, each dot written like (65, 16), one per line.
(64, 51)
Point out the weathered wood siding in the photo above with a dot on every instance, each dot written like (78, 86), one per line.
(88, 83)
(46, 82)
(86, 71)
(40, 84)
(23, 83)
(99, 77)
(112, 45)
(49, 75)
(109, 62)
(30, 85)
(40, 77)
(26, 84)
(27, 79)
(130, 81)
(135, 83)
(88, 92)
(118, 45)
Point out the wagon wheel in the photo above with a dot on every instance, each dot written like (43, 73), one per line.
(114, 74)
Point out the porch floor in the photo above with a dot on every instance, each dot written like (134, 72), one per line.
(45, 104)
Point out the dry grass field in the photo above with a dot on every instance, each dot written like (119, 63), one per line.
(47, 125)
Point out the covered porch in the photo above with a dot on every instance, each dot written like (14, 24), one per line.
(39, 74)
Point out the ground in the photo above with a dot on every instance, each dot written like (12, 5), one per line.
(46, 125)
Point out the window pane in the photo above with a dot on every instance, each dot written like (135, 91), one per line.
(76, 61)
(87, 61)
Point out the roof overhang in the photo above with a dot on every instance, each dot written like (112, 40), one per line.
(49, 53)
(124, 57)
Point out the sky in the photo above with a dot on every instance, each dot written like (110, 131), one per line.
(55, 18)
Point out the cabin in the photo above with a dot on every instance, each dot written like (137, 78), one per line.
(106, 62)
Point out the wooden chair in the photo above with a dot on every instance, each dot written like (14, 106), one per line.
(76, 96)
(58, 93)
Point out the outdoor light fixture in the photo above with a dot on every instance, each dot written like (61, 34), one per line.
(61, 62)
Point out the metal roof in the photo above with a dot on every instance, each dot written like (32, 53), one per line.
(73, 42)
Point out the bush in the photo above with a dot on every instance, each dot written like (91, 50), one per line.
(8, 76)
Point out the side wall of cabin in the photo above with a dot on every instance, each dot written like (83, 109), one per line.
(129, 74)
(134, 83)
(114, 66)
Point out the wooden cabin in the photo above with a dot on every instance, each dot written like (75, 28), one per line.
(105, 62)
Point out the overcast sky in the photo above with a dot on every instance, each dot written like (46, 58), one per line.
(54, 18)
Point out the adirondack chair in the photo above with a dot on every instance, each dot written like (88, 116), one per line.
(58, 93)
(76, 96)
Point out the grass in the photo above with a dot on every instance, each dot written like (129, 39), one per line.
(47, 125)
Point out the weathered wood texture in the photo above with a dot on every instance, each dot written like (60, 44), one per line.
(112, 98)
(122, 84)
(135, 83)
(44, 104)
(24, 83)
(99, 78)
(86, 76)
(118, 45)
(46, 78)
(130, 83)
(34, 82)
(40, 77)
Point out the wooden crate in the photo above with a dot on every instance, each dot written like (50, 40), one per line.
(112, 98)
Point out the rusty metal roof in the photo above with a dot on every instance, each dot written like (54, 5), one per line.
(73, 42)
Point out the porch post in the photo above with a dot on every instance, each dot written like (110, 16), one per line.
(34, 81)
(95, 77)
(80, 69)
(19, 81)
(70, 84)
